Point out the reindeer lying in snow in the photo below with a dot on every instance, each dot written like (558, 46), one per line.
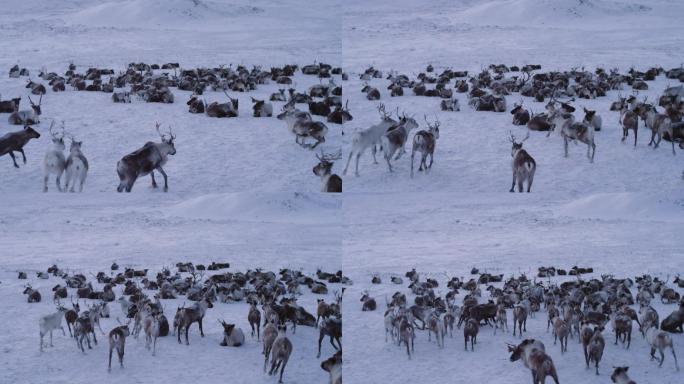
(330, 182)
(301, 124)
(28, 117)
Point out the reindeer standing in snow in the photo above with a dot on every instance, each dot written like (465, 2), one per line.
(54, 162)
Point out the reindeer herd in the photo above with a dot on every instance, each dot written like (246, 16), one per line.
(488, 90)
(154, 84)
(271, 298)
(577, 304)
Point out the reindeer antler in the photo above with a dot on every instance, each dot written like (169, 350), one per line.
(329, 157)
(156, 126)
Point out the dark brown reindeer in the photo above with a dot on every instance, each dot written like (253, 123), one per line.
(521, 116)
(117, 340)
(216, 109)
(523, 166)
(195, 105)
(15, 142)
(329, 182)
(152, 156)
(33, 296)
(425, 142)
(9, 106)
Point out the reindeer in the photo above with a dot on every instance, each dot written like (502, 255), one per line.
(194, 314)
(340, 115)
(451, 105)
(71, 315)
(629, 120)
(519, 319)
(657, 122)
(592, 119)
(532, 354)
(232, 337)
(331, 327)
(222, 110)
(27, 117)
(424, 142)
(82, 328)
(152, 156)
(570, 130)
(594, 350)
(76, 166)
(369, 303)
(36, 88)
(659, 340)
(54, 162)
(330, 182)
(362, 140)
(395, 139)
(10, 106)
(33, 296)
(301, 124)
(620, 376)
(523, 166)
(406, 334)
(121, 97)
(470, 331)
(117, 339)
(152, 326)
(622, 325)
(280, 353)
(270, 334)
(561, 330)
(254, 318)
(51, 322)
(195, 104)
(278, 96)
(521, 116)
(333, 366)
(262, 108)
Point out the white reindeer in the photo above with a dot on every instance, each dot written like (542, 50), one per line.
(54, 162)
(370, 137)
(51, 322)
(76, 167)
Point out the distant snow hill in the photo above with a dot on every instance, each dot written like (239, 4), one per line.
(176, 14)
(550, 12)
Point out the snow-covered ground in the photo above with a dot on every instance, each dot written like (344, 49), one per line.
(242, 191)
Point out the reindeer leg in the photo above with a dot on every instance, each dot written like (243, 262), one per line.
(200, 327)
(282, 369)
(412, 156)
(513, 190)
(344, 172)
(23, 155)
(45, 182)
(154, 182)
(14, 160)
(373, 150)
(565, 145)
(59, 183)
(166, 187)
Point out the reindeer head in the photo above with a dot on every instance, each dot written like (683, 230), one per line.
(168, 140)
(434, 127)
(31, 132)
(518, 350)
(227, 328)
(516, 146)
(36, 108)
(325, 163)
(57, 137)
